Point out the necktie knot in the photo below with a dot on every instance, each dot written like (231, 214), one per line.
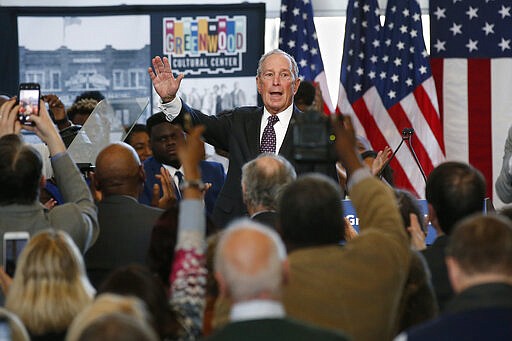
(273, 119)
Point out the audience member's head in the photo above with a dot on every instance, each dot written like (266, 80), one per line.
(164, 138)
(50, 286)
(454, 190)
(107, 304)
(138, 138)
(80, 111)
(250, 262)
(263, 180)
(118, 170)
(310, 212)
(136, 280)
(407, 204)
(95, 95)
(20, 171)
(305, 96)
(362, 144)
(116, 326)
(480, 251)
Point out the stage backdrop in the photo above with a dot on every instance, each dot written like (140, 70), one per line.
(69, 50)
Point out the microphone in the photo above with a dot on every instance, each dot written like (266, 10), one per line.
(406, 132)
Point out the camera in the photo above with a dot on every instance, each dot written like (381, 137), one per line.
(313, 138)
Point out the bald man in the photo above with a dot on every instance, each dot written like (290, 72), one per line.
(125, 224)
(251, 267)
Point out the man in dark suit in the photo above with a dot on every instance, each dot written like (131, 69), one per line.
(241, 130)
(251, 267)
(454, 191)
(125, 224)
(165, 136)
(263, 180)
(479, 261)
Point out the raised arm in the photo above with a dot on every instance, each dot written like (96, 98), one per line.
(83, 227)
(188, 274)
(164, 82)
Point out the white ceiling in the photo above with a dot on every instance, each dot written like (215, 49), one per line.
(322, 8)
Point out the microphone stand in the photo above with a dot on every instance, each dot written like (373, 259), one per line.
(409, 144)
(406, 135)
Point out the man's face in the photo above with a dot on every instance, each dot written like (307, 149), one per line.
(165, 138)
(276, 84)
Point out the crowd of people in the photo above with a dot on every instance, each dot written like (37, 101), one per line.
(159, 244)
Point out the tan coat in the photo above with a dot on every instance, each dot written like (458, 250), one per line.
(355, 288)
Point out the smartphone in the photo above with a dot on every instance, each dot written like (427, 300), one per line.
(28, 99)
(14, 242)
(5, 329)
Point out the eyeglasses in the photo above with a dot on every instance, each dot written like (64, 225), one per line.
(283, 76)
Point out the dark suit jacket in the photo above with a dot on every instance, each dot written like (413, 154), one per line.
(434, 255)
(212, 172)
(274, 329)
(125, 232)
(268, 218)
(238, 132)
(482, 312)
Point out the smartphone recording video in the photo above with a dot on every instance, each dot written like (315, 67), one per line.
(28, 98)
(14, 243)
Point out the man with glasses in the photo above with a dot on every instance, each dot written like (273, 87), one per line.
(243, 132)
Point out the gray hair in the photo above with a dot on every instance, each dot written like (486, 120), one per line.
(294, 68)
(268, 278)
(264, 178)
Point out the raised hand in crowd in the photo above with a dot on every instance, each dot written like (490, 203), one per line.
(346, 144)
(9, 123)
(416, 233)
(191, 152)
(58, 110)
(46, 130)
(166, 85)
(168, 198)
(381, 159)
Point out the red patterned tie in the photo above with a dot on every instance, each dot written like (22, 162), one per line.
(268, 140)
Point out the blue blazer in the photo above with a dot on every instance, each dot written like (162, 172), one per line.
(212, 172)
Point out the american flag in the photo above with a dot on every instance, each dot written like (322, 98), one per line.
(471, 49)
(297, 36)
(386, 85)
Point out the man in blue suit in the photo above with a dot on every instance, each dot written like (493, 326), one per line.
(164, 139)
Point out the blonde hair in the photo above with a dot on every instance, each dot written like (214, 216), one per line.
(50, 286)
(106, 304)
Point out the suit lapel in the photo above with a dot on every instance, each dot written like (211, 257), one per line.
(287, 146)
(252, 131)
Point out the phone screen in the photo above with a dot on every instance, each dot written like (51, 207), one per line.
(28, 98)
(5, 329)
(13, 248)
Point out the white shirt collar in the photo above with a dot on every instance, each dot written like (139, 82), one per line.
(172, 173)
(256, 310)
(280, 127)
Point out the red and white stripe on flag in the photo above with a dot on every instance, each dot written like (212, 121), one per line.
(477, 108)
(471, 58)
(386, 85)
